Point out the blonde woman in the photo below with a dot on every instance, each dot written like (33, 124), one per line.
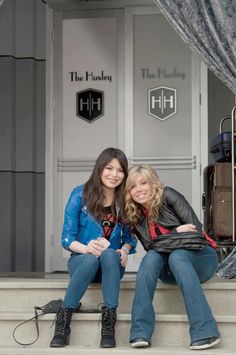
(177, 252)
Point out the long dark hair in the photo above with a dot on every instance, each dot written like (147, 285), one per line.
(93, 193)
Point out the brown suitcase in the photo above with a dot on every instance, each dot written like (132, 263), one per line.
(222, 201)
(217, 201)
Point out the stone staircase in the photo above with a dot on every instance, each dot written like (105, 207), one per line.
(20, 293)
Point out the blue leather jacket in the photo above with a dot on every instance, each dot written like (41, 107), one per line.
(79, 225)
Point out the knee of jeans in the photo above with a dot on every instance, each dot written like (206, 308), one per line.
(91, 261)
(110, 256)
(177, 256)
(152, 261)
(87, 261)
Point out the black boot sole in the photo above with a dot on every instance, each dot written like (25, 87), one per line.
(108, 344)
(57, 346)
(62, 345)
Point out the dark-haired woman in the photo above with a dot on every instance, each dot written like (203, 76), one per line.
(99, 243)
(177, 252)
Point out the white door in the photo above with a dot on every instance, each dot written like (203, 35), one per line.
(89, 103)
(163, 112)
(123, 78)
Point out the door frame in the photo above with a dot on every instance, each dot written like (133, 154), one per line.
(49, 151)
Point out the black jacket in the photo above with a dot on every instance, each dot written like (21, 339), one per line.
(175, 211)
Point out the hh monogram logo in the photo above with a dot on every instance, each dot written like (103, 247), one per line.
(162, 102)
(90, 104)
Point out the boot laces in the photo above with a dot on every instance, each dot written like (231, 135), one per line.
(61, 322)
(108, 321)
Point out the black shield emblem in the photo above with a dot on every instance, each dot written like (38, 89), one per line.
(90, 104)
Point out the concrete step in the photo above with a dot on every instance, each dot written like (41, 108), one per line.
(24, 294)
(170, 330)
(222, 349)
(171, 336)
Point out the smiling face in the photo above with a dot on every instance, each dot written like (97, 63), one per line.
(141, 190)
(112, 174)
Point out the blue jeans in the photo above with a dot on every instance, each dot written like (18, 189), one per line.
(186, 268)
(86, 268)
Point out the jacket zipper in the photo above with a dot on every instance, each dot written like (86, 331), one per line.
(84, 210)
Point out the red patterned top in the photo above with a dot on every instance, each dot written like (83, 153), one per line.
(108, 223)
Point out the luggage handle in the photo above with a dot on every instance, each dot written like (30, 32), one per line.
(233, 167)
(222, 121)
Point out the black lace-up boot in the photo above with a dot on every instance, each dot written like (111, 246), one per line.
(62, 328)
(108, 328)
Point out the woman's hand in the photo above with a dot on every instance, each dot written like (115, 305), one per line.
(95, 248)
(123, 257)
(186, 228)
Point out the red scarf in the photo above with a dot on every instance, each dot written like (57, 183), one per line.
(156, 229)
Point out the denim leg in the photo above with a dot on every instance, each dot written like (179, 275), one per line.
(82, 269)
(111, 274)
(143, 315)
(190, 268)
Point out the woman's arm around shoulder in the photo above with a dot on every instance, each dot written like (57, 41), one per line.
(182, 209)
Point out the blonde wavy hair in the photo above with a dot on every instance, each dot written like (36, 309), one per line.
(133, 210)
